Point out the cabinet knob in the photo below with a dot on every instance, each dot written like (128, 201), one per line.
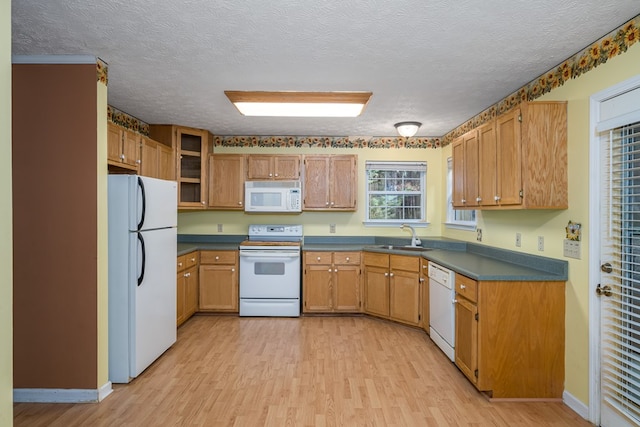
(386, 274)
(463, 201)
(240, 203)
(217, 258)
(193, 260)
(270, 174)
(318, 259)
(332, 203)
(347, 259)
(138, 161)
(203, 202)
(327, 204)
(276, 174)
(463, 287)
(187, 274)
(329, 270)
(496, 198)
(421, 279)
(122, 156)
(478, 199)
(179, 264)
(233, 270)
(391, 274)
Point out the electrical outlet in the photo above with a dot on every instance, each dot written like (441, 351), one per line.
(479, 234)
(332, 228)
(518, 240)
(219, 228)
(541, 243)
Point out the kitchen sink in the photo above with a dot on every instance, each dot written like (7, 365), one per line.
(404, 248)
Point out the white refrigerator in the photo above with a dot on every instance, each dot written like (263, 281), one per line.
(142, 272)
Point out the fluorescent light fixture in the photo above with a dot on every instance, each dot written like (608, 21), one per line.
(407, 129)
(299, 104)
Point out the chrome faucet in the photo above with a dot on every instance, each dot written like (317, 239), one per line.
(415, 241)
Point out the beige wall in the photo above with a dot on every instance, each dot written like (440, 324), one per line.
(499, 228)
(317, 223)
(103, 238)
(6, 277)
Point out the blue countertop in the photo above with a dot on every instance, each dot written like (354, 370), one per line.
(479, 262)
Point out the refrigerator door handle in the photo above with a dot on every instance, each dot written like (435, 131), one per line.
(144, 203)
(144, 259)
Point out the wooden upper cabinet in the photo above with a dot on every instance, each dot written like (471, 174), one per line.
(521, 158)
(487, 164)
(268, 167)
(123, 147)
(226, 181)
(330, 182)
(458, 197)
(166, 163)
(191, 148)
(149, 158)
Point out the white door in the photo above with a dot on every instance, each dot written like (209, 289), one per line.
(619, 285)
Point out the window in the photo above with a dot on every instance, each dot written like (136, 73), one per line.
(465, 219)
(396, 192)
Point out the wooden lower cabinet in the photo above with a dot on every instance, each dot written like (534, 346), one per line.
(186, 287)
(331, 282)
(219, 281)
(510, 337)
(392, 287)
(424, 294)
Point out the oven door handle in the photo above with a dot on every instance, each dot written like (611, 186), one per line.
(269, 254)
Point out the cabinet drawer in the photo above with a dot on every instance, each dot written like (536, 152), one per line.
(376, 259)
(406, 263)
(192, 259)
(181, 263)
(346, 258)
(467, 287)
(218, 257)
(311, 258)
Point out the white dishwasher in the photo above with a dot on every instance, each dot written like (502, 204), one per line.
(442, 308)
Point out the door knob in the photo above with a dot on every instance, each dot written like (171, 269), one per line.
(606, 267)
(604, 290)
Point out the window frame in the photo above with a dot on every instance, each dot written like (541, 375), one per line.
(452, 220)
(417, 166)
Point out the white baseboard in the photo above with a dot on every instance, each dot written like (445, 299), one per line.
(59, 395)
(576, 405)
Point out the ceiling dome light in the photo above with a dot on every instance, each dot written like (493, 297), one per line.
(407, 129)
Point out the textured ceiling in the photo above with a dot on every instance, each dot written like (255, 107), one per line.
(435, 61)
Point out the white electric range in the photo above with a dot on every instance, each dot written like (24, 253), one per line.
(270, 271)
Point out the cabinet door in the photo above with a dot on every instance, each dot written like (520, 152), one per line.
(487, 160)
(317, 288)
(471, 167)
(192, 146)
(457, 152)
(131, 148)
(376, 291)
(114, 143)
(286, 167)
(226, 181)
(259, 167)
(466, 349)
(218, 288)
(343, 182)
(191, 292)
(509, 158)
(149, 158)
(181, 284)
(166, 163)
(316, 183)
(404, 289)
(346, 288)
(424, 294)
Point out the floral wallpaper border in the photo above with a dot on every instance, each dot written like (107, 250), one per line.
(103, 71)
(613, 44)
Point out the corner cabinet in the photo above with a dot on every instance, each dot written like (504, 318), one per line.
(331, 282)
(517, 161)
(330, 183)
(191, 147)
(510, 337)
(392, 287)
(226, 181)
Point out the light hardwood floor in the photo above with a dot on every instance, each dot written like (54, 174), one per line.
(309, 371)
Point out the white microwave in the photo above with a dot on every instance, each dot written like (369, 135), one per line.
(272, 196)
